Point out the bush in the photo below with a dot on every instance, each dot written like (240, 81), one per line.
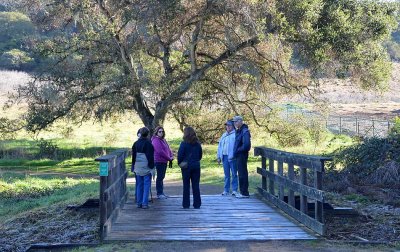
(371, 161)
(47, 149)
(16, 60)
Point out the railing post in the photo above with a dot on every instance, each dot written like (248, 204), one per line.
(319, 206)
(303, 199)
(291, 192)
(271, 180)
(103, 201)
(263, 178)
(281, 192)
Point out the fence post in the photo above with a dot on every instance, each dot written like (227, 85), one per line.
(291, 200)
(318, 185)
(303, 199)
(340, 125)
(281, 192)
(271, 180)
(357, 127)
(373, 127)
(263, 178)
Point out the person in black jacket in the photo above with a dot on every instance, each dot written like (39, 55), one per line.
(241, 153)
(143, 166)
(190, 151)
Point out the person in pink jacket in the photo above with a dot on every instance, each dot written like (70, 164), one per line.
(162, 155)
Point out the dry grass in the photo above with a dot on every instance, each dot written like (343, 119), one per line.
(388, 174)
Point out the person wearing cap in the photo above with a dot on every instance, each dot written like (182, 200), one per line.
(225, 155)
(241, 153)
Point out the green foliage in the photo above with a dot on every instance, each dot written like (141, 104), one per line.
(395, 129)
(347, 31)
(15, 29)
(244, 53)
(47, 149)
(16, 60)
(364, 161)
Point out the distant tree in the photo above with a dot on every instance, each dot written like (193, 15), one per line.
(149, 55)
(14, 28)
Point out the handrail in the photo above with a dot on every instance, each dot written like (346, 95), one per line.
(287, 186)
(113, 190)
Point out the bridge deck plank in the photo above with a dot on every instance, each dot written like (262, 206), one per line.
(219, 218)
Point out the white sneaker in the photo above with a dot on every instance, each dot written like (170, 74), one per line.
(241, 196)
(234, 193)
(224, 193)
(162, 196)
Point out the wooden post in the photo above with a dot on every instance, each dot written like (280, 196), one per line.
(318, 185)
(271, 180)
(103, 205)
(281, 192)
(303, 199)
(263, 178)
(291, 200)
(373, 127)
(356, 126)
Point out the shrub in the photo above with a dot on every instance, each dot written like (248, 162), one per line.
(16, 59)
(370, 161)
(47, 149)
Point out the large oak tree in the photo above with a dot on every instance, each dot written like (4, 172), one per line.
(144, 56)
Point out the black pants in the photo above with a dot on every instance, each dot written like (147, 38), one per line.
(241, 162)
(191, 175)
(161, 169)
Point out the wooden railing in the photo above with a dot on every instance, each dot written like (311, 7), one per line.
(113, 190)
(292, 195)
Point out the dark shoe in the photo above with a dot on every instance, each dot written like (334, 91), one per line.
(197, 207)
(139, 206)
(185, 207)
(145, 207)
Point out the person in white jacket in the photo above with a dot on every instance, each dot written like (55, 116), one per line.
(226, 156)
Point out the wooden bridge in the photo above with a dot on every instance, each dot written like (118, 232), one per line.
(220, 218)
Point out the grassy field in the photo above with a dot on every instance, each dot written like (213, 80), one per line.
(29, 181)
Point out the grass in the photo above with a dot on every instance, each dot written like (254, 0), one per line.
(25, 186)
(20, 193)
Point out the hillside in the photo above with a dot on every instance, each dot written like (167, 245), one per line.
(345, 99)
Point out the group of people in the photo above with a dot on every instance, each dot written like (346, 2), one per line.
(152, 155)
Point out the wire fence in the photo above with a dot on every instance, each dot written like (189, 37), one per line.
(352, 126)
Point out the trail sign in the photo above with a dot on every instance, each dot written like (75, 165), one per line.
(103, 168)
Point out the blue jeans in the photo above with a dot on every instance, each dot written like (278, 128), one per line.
(143, 184)
(230, 168)
(161, 169)
(191, 175)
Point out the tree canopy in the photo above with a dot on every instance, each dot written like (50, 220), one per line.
(148, 55)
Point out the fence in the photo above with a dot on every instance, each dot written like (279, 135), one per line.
(308, 187)
(113, 190)
(352, 126)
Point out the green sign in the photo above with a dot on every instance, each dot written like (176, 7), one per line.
(103, 168)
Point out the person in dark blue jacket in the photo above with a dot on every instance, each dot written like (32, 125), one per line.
(190, 150)
(241, 153)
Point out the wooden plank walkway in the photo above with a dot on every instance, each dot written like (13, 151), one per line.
(220, 218)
